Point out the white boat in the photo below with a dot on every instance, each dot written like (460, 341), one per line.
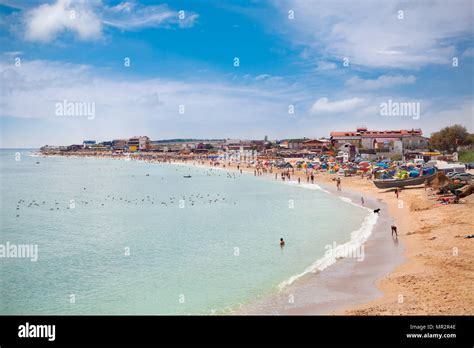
(445, 167)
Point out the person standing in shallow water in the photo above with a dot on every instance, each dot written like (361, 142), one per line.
(394, 231)
(282, 243)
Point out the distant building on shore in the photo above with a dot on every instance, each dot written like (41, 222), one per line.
(119, 144)
(387, 142)
(316, 145)
(141, 143)
(88, 143)
(74, 147)
(312, 145)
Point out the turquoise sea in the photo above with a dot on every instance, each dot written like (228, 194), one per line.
(128, 237)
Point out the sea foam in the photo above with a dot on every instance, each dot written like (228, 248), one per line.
(358, 237)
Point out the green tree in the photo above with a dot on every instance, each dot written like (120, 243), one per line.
(449, 138)
(469, 140)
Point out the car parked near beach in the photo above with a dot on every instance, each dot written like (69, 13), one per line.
(462, 176)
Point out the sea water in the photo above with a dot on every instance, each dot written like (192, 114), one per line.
(129, 237)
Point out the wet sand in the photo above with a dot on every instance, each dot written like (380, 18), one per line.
(346, 283)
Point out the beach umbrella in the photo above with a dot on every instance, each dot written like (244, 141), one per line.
(382, 165)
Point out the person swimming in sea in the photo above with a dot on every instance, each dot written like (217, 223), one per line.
(282, 243)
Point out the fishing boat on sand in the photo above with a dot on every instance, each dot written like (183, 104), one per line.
(186, 176)
(389, 183)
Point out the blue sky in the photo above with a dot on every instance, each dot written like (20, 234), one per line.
(74, 50)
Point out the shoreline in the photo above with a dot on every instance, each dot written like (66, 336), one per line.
(392, 288)
(345, 283)
(437, 275)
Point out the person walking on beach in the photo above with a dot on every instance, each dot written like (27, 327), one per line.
(394, 230)
(396, 192)
(282, 243)
(276, 176)
(312, 178)
(299, 180)
(338, 184)
(362, 200)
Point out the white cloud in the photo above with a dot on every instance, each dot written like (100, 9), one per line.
(384, 81)
(13, 53)
(469, 52)
(461, 113)
(370, 33)
(262, 77)
(130, 16)
(86, 18)
(268, 79)
(323, 66)
(137, 106)
(323, 105)
(46, 21)
(243, 107)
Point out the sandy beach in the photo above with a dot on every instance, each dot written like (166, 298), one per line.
(430, 272)
(437, 276)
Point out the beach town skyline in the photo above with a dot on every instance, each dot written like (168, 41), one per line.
(360, 141)
(358, 131)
